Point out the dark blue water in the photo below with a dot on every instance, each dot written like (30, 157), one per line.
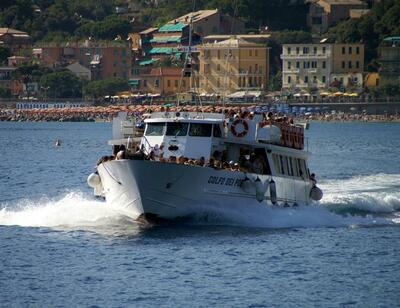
(61, 247)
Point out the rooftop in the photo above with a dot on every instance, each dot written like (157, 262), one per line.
(11, 31)
(174, 27)
(344, 2)
(165, 71)
(196, 16)
(148, 31)
(233, 41)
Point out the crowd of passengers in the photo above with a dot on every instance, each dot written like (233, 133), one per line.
(238, 113)
(252, 163)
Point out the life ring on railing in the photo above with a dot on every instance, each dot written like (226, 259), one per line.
(245, 128)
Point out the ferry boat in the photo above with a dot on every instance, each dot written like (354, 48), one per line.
(210, 163)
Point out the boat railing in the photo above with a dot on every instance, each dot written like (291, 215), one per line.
(145, 145)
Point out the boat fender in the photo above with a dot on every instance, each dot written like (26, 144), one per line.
(246, 185)
(94, 180)
(316, 193)
(260, 189)
(272, 191)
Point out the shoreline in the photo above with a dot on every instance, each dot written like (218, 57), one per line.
(106, 114)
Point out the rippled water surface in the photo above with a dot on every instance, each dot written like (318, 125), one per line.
(61, 247)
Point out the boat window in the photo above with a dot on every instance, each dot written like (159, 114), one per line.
(217, 131)
(200, 130)
(177, 129)
(155, 129)
(282, 164)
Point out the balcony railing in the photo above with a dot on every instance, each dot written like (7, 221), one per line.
(306, 56)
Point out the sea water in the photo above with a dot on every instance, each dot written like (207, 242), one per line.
(59, 246)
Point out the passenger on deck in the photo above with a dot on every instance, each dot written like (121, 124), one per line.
(313, 179)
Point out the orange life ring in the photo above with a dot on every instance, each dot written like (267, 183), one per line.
(245, 128)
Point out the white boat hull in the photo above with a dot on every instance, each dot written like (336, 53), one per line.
(168, 190)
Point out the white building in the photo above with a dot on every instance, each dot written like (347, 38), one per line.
(48, 105)
(306, 66)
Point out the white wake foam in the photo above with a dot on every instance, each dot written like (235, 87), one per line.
(375, 194)
(368, 200)
(72, 211)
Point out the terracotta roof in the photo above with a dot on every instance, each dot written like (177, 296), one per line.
(166, 71)
(11, 31)
(196, 16)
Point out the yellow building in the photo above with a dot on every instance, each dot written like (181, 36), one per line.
(233, 65)
(162, 80)
(348, 64)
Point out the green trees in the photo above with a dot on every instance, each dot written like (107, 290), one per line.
(371, 29)
(62, 84)
(111, 86)
(4, 54)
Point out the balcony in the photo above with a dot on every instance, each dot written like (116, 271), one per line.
(306, 56)
(291, 71)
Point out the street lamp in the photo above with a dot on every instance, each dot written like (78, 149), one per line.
(45, 92)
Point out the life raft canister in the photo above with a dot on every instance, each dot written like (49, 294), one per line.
(245, 128)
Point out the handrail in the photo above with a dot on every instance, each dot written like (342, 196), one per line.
(144, 147)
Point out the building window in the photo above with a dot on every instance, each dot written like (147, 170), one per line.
(256, 53)
(323, 79)
(323, 64)
(305, 50)
(218, 67)
(357, 64)
(350, 64)
(289, 50)
(297, 50)
(305, 79)
(176, 83)
(297, 64)
(157, 83)
(289, 65)
(218, 83)
(314, 79)
(343, 50)
(350, 50)
(219, 54)
(145, 83)
(357, 50)
(250, 53)
(289, 79)
(256, 68)
(314, 64)
(324, 50)
(168, 83)
(343, 64)
(315, 50)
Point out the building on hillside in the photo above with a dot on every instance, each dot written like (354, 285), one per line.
(389, 60)
(18, 42)
(253, 38)
(207, 22)
(80, 71)
(322, 65)
(325, 13)
(17, 60)
(161, 80)
(168, 40)
(347, 65)
(104, 59)
(371, 80)
(306, 66)
(233, 65)
(140, 42)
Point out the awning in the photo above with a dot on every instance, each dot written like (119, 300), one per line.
(175, 27)
(164, 50)
(166, 39)
(134, 82)
(147, 62)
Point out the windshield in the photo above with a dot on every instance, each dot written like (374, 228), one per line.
(155, 129)
(200, 130)
(177, 129)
